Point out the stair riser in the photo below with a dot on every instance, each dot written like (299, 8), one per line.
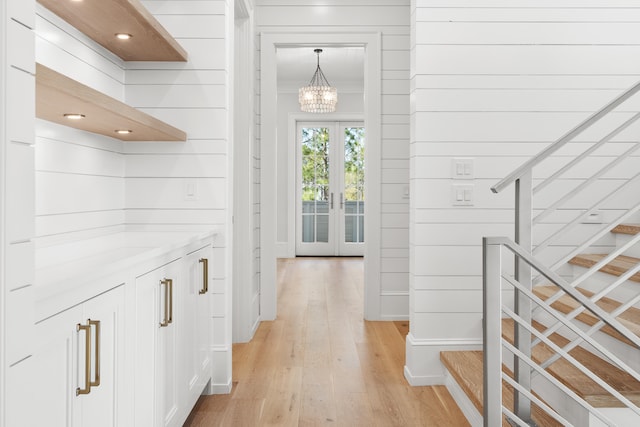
(622, 239)
(617, 347)
(564, 405)
(599, 281)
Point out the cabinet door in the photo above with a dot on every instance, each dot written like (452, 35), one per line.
(55, 362)
(156, 402)
(194, 332)
(62, 395)
(100, 406)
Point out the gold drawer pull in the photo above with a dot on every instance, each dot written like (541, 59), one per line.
(87, 360)
(96, 323)
(205, 275)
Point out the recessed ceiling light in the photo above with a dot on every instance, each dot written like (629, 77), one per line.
(123, 131)
(74, 116)
(123, 36)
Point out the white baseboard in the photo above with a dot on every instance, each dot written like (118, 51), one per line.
(464, 403)
(282, 250)
(220, 388)
(394, 317)
(416, 381)
(423, 366)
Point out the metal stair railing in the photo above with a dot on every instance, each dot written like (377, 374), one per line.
(525, 190)
(496, 307)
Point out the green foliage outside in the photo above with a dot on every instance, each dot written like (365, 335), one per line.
(315, 163)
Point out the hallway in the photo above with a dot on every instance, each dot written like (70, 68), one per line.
(320, 363)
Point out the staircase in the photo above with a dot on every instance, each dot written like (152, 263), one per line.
(562, 302)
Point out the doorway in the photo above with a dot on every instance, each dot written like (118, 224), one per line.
(330, 182)
(270, 43)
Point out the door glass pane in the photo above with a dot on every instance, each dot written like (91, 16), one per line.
(315, 184)
(354, 184)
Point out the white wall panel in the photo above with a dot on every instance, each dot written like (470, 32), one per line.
(21, 54)
(442, 326)
(176, 96)
(22, 11)
(21, 116)
(204, 54)
(182, 7)
(62, 193)
(198, 26)
(532, 59)
(175, 77)
(68, 157)
(198, 123)
(169, 193)
(497, 81)
(19, 197)
(177, 166)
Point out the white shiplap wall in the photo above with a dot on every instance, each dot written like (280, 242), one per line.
(391, 19)
(79, 176)
(496, 81)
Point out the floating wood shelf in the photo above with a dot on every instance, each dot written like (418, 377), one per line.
(101, 20)
(57, 95)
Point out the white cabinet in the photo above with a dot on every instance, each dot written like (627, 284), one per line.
(196, 325)
(78, 364)
(172, 355)
(156, 361)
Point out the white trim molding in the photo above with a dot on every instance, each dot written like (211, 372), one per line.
(269, 43)
(423, 366)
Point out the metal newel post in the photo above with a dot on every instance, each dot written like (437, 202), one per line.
(492, 333)
(522, 304)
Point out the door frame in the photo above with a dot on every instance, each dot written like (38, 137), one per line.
(292, 166)
(269, 43)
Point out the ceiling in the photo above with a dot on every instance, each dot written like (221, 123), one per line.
(342, 66)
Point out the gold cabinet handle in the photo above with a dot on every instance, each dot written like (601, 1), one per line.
(205, 275)
(165, 320)
(87, 360)
(170, 300)
(96, 323)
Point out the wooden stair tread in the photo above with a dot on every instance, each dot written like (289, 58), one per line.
(629, 318)
(467, 367)
(631, 229)
(617, 267)
(573, 378)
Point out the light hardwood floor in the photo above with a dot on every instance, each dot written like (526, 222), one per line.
(320, 363)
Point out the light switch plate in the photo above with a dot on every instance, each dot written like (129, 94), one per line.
(462, 168)
(462, 194)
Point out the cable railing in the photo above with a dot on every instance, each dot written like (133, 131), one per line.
(498, 309)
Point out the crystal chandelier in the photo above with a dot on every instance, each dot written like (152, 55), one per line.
(318, 96)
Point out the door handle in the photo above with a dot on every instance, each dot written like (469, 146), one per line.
(205, 276)
(331, 202)
(96, 323)
(87, 359)
(168, 307)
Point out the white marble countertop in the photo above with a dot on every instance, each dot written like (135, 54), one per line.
(70, 273)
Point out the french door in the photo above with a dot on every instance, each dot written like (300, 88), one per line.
(330, 189)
